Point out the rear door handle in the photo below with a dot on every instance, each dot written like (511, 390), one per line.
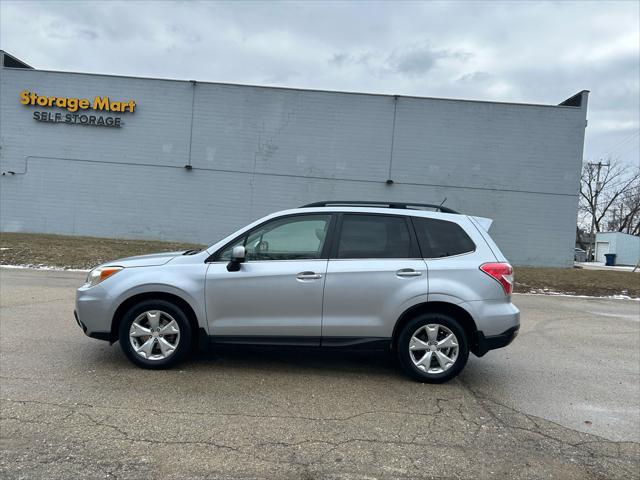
(408, 272)
(308, 276)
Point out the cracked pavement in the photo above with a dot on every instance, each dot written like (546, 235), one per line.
(73, 407)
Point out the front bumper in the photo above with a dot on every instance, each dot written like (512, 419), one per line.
(98, 335)
(484, 344)
(92, 312)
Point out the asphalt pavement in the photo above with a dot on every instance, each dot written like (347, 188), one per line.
(563, 401)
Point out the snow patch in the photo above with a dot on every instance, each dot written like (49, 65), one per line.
(44, 267)
(560, 294)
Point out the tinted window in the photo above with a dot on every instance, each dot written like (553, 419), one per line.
(439, 238)
(374, 236)
(290, 238)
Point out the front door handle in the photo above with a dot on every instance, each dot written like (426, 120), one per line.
(308, 276)
(408, 272)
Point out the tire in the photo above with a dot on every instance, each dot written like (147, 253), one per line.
(439, 370)
(149, 347)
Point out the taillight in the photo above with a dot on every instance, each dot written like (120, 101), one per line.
(502, 273)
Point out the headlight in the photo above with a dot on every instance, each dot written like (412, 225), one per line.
(99, 274)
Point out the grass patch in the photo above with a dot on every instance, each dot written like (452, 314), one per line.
(576, 281)
(87, 252)
(75, 252)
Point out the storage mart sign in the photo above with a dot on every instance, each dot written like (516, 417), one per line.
(73, 105)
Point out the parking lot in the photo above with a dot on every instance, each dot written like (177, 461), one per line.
(563, 401)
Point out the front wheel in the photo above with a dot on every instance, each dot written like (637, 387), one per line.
(432, 348)
(155, 334)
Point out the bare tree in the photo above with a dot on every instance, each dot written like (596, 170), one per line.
(610, 196)
(625, 213)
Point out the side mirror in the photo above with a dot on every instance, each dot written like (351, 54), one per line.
(238, 255)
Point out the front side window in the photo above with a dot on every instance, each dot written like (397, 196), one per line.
(290, 238)
(374, 236)
(440, 238)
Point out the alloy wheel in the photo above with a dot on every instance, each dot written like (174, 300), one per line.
(154, 335)
(433, 348)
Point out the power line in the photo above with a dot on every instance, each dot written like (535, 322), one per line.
(614, 185)
(612, 149)
(604, 202)
(631, 147)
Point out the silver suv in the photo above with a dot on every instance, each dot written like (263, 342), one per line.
(430, 285)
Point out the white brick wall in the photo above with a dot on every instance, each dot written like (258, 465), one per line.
(255, 150)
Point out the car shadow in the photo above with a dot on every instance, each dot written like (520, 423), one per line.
(290, 359)
(265, 361)
(259, 360)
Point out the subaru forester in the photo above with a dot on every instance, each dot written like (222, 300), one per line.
(423, 281)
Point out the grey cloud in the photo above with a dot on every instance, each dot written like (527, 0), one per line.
(339, 59)
(183, 34)
(418, 59)
(64, 31)
(414, 61)
(473, 77)
(344, 59)
(411, 60)
(279, 78)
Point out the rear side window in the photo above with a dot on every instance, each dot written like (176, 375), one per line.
(374, 236)
(440, 238)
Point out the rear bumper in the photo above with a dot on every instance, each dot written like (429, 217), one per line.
(484, 344)
(497, 322)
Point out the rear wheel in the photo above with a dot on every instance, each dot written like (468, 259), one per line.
(155, 334)
(432, 348)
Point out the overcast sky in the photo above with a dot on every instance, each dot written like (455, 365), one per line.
(534, 52)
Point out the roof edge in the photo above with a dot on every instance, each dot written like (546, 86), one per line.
(575, 100)
(317, 90)
(16, 61)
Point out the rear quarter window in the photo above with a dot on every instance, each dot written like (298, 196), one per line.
(441, 238)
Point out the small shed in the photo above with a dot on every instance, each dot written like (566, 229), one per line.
(625, 246)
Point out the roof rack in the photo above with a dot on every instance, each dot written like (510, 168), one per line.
(410, 206)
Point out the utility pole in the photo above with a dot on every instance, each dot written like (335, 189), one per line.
(592, 240)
